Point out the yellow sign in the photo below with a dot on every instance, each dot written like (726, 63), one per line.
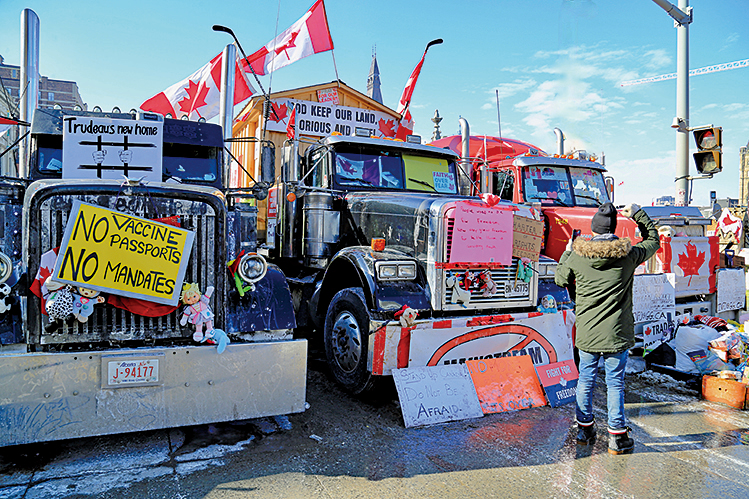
(124, 255)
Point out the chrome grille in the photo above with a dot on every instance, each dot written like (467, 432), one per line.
(503, 277)
(203, 214)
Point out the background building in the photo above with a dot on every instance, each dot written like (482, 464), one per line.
(51, 92)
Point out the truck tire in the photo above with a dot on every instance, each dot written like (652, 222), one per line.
(346, 338)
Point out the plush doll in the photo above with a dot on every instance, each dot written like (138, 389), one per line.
(487, 286)
(59, 305)
(406, 316)
(217, 337)
(4, 292)
(84, 300)
(460, 295)
(197, 311)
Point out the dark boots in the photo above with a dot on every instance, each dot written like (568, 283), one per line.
(586, 434)
(620, 441)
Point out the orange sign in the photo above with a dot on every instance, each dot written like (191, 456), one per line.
(506, 384)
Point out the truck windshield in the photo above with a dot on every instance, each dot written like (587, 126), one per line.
(564, 187)
(589, 187)
(190, 162)
(365, 168)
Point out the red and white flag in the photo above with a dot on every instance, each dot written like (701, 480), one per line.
(406, 125)
(291, 126)
(309, 35)
(198, 95)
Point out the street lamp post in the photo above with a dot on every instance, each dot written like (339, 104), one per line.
(682, 16)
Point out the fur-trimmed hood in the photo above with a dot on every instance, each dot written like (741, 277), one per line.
(607, 249)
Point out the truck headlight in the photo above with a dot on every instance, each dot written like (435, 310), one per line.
(395, 271)
(252, 267)
(6, 267)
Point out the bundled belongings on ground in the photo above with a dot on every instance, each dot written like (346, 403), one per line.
(704, 344)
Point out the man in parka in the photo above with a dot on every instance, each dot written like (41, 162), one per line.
(602, 270)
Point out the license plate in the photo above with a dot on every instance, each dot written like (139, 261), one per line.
(520, 289)
(132, 372)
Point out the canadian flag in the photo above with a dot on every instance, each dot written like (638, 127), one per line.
(309, 35)
(198, 95)
(406, 125)
(291, 127)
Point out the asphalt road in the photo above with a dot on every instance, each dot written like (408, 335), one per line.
(342, 447)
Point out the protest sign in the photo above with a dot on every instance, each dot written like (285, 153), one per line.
(122, 254)
(506, 384)
(437, 394)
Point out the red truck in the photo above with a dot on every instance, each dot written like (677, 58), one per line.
(568, 188)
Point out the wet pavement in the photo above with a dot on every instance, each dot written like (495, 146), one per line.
(342, 447)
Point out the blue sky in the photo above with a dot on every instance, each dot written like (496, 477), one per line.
(555, 63)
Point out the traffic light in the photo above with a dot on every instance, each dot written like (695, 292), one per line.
(709, 157)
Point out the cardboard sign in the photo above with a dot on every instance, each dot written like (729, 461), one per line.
(653, 296)
(320, 119)
(430, 395)
(527, 237)
(653, 335)
(559, 381)
(506, 384)
(731, 290)
(691, 260)
(107, 148)
(124, 255)
(481, 234)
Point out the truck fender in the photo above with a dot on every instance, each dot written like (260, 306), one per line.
(354, 267)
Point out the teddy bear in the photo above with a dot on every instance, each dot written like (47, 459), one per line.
(406, 316)
(84, 300)
(59, 303)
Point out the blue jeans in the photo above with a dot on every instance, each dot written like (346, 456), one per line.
(615, 364)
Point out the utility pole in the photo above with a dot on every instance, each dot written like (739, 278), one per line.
(682, 16)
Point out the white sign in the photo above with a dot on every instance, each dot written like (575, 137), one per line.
(320, 119)
(106, 148)
(653, 334)
(731, 289)
(430, 395)
(653, 296)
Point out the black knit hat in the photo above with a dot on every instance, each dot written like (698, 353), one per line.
(604, 221)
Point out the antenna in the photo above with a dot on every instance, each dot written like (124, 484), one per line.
(499, 120)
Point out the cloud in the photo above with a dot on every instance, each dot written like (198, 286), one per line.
(657, 59)
(730, 40)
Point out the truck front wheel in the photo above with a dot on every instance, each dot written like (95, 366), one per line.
(346, 338)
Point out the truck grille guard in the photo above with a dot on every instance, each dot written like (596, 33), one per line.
(199, 210)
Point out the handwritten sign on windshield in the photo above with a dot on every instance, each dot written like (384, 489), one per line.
(482, 234)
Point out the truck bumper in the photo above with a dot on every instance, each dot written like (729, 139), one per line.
(547, 338)
(54, 396)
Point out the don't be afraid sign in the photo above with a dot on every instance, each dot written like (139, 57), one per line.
(125, 255)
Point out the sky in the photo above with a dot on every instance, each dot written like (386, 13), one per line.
(553, 63)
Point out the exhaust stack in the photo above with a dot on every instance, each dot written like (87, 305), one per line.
(29, 81)
(560, 141)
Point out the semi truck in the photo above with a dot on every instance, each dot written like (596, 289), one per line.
(393, 265)
(133, 363)
(568, 188)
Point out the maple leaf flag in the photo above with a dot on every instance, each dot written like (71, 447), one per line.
(198, 95)
(309, 35)
(290, 128)
(406, 125)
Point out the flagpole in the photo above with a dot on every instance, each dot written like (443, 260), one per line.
(268, 107)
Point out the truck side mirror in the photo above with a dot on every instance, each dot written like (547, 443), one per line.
(268, 164)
